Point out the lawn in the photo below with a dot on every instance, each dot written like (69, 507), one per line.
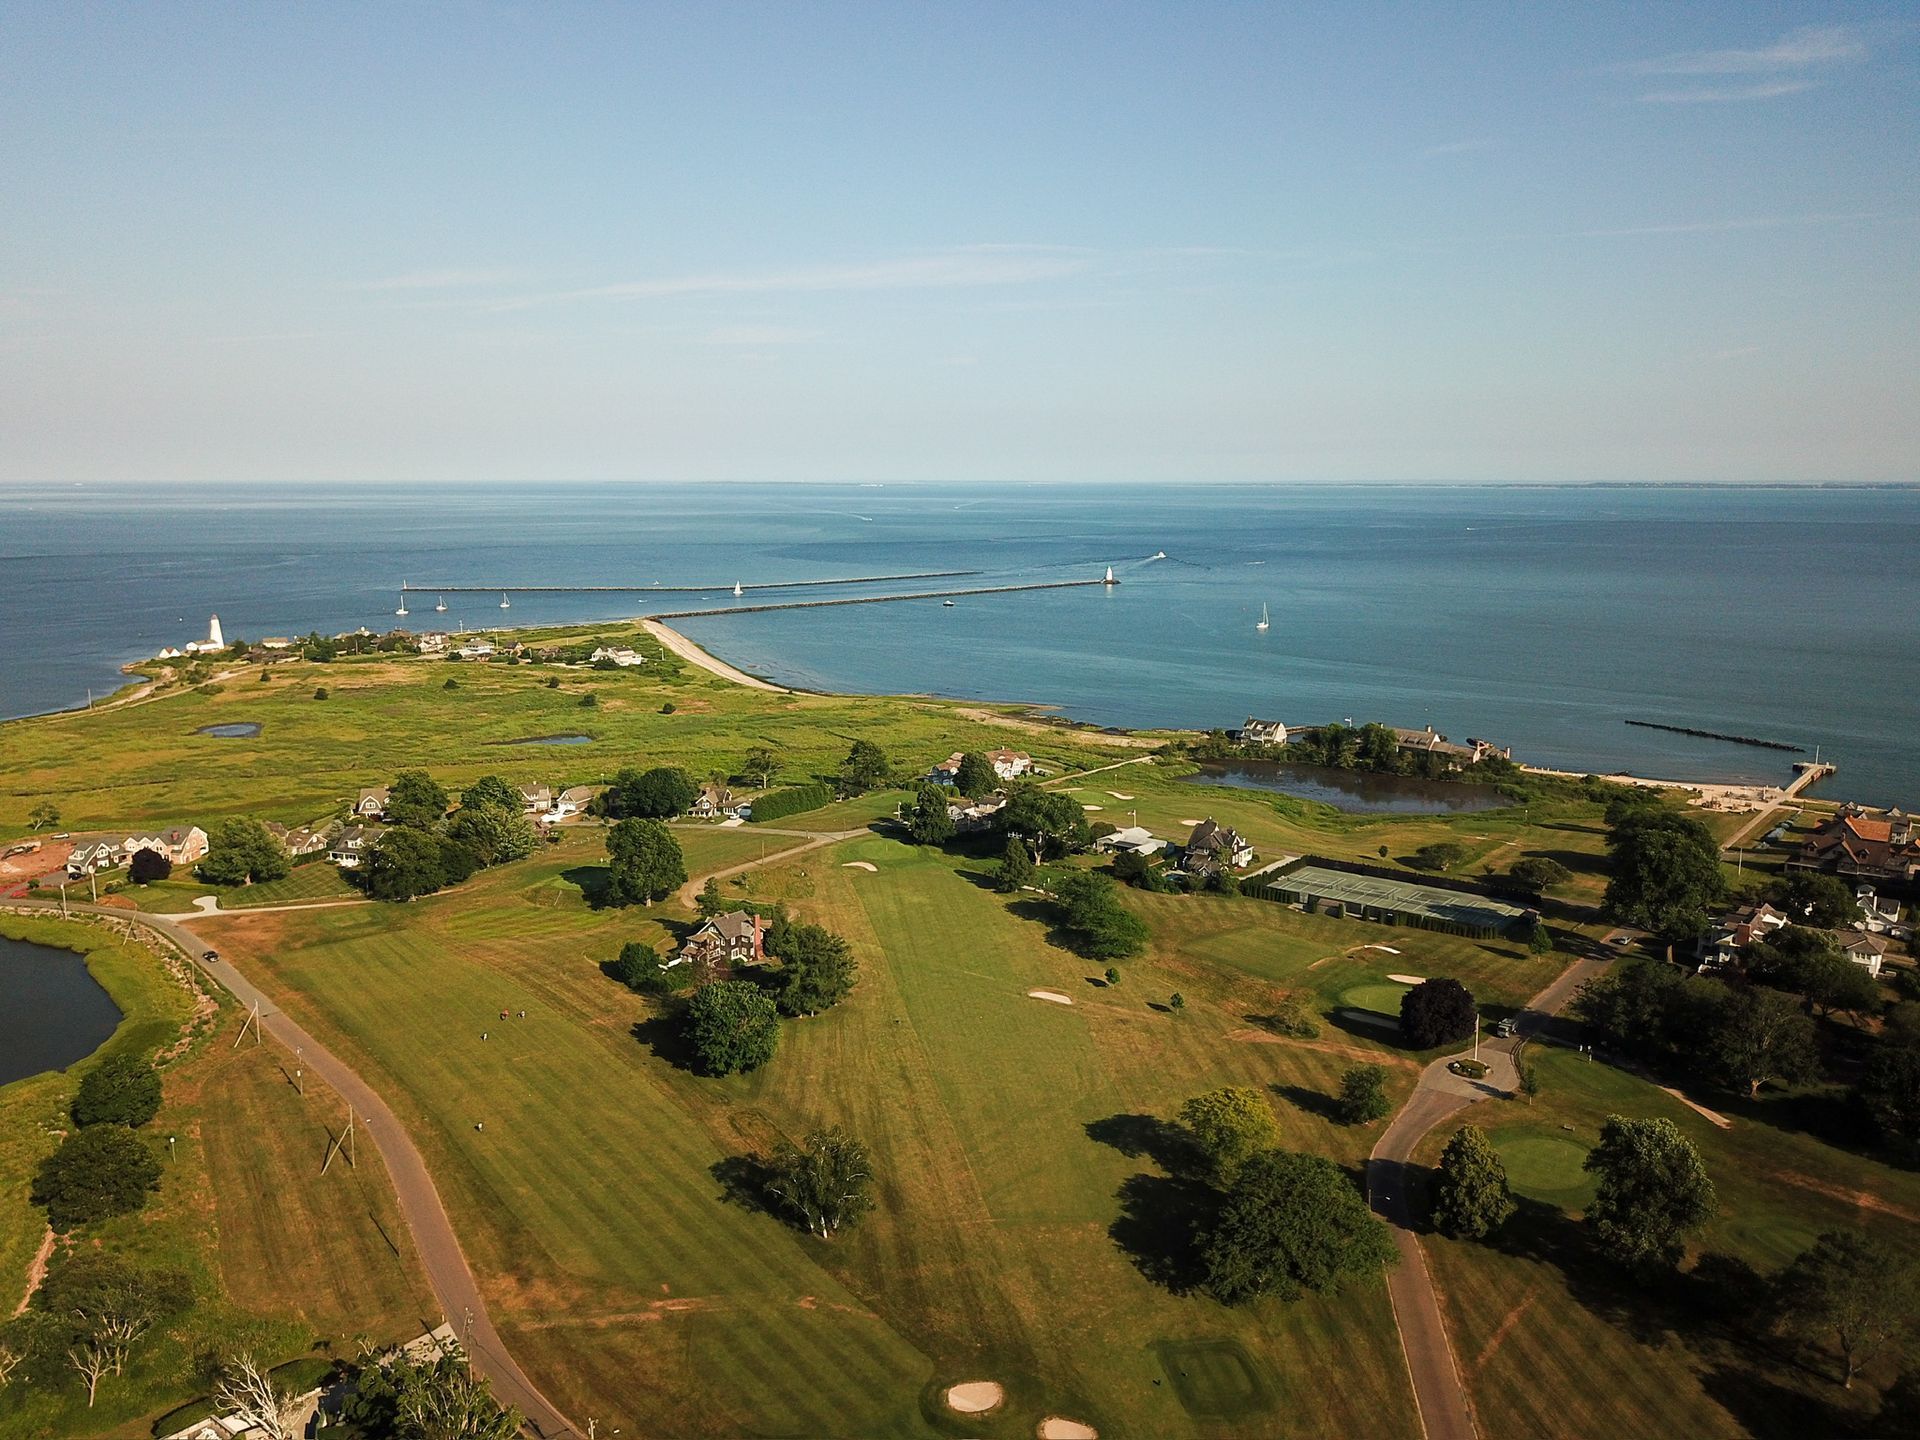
(282, 1261)
(1382, 999)
(1005, 1128)
(1553, 1341)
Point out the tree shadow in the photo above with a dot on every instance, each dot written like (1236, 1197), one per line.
(667, 1038)
(1772, 1411)
(743, 1182)
(1164, 1142)
(1387, 1034)
(1161, 1220)
(1313, 1102)
(590, 881)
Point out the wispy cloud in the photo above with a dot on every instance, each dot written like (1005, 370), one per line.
(1786, 67)
(1452, 147)
(434, 280)
(972, 266)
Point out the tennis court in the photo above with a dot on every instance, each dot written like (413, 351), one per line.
(1393, 902)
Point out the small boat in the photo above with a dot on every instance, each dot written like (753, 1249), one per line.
(1158, 555)
(947, 604)
(1264, 622)
(442, 606)
(737, 591)
(505, 604)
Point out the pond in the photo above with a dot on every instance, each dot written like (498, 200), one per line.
(52, 1011)
(548, 740)
(237, 730)
(1355, 791)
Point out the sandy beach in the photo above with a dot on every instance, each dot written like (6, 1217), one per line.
(683, 647)
(1706, 794)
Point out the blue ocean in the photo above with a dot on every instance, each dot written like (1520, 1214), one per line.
(1542, 618)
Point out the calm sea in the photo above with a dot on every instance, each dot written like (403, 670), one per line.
(1541, 618)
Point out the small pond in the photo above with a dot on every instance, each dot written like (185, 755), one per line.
(52, 1012)
(548, 740)
(1354, 791)
(237, 730)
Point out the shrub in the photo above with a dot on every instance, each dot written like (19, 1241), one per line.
(321, 693)
(1443, 855)
(1363, 1094)
(148, 866)
(120, 1090)
(793, 800)
(668, 708)
(98, 1172)
(1292, 1223)
(241, 852)
(639, 968)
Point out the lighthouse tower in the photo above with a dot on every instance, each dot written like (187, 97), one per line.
(215, 641)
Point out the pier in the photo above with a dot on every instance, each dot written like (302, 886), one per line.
(1810, 773)
(407, 588)
(665, 615)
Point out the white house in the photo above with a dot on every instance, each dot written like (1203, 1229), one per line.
(1878, 915)
(1213, 845)
(1735, 931)
(1263, 732)
(1008, 764)
(978, 815)
(433, 642)
(713, 802)
(89, 857)
(350, 846)
(571, 801)
(215, 640)
(1869, 952)
(372, 803)
(619, 655)
(1135, 838)
(475, 650)
(535, 799)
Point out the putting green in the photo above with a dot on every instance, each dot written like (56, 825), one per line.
(1547, 1167)
(1379, 995)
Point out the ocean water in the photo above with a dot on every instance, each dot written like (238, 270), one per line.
(1542, 618)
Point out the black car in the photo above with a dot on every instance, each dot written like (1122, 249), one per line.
(211, 955)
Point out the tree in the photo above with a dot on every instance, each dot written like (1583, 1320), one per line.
(1666, 871)
(1363, 1094)
(733, 1025)
(1811, 898)
(1539, 874)
(248, 1389)
(1230, 1126)
(1291, 1223)
(817, 967)
(976, 776)
(407, 863)
(638, 968)
(1016, 867)
(929, 823)
(826, 1184)
(1437, 1012)
(1852, 1288)
(1540, 939)
(93, 1359)
(490, 790)
(1471, 1198)
(320, 692)
(644, 863)
(147, 866)
(417, 800)
(1130, 867)
(1834, 982)
(654, 794)
(1529, 1080)
(98, 1172)
(1653, 1192)
(710, 902)
(494, 833)
(1441, 855)
(865, 768)
(1889, 1091)
(120, 1090)
(241, 852)
(1051, 823)
(43, 816)
(1762, 1036)
(759, 765)
(1102, 927)
(395, 1397)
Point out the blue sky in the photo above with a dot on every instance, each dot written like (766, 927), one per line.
(1116, 242)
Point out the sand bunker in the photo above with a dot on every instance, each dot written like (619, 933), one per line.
(1408, 979)
(1388, 948)
(865, 865)
(1054, 995)
(1118, 796)
(1058, 1427)
(1189, 822)
(975, 1397)
(1093, 807)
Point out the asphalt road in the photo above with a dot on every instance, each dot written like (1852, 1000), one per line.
(1438, 1391)
(433, 1234)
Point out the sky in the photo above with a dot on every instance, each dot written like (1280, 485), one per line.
(1113, 242)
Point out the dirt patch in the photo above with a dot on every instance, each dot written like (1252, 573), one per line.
(1864, 1199)
(36, 1272)
(1501, 1330)
(1713, 1116)
(1054, 995)
(975, 1397)
(51, 856)
(1058, 1427)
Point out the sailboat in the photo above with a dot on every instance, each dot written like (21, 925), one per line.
(442, 606)
(505, 604)
(1158, 555)
(403, 599)
(737, 591)
(1109, 580)
(1264, 622)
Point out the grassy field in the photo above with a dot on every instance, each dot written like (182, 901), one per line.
(1553, 1342)
(282, 1261)
(1008, 1132)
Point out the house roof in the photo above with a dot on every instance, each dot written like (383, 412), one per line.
(734, 925)
(1210, 835)
(1007, 756)
(1860, 943)
(379, 793)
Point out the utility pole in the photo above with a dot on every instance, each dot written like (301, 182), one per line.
(1476, 1035)
(63, 900)
(253, 1020)
(93, 884)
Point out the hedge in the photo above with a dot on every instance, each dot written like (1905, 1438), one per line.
(791, 801)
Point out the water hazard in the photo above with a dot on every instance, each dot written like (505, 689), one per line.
(1355, 791)
(52, 1012)
(236, 730)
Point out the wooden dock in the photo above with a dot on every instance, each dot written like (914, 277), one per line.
(1810, 773)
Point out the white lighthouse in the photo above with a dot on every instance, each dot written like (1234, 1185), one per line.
(215, 641)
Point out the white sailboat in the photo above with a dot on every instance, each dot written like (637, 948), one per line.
(403, 599)
(442, 606)
(1109, 579)
(1264, 622)
(505, 604)
(737, 591)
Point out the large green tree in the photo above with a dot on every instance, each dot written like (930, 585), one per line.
(1051, 823)
(655, 794)
(494, 833)
(1437, 1012)
(409, 862)
(644, 863)
(1889, 1091)
(929, 823)
(98, 1172)
(1016, 867)
(1762, 1037)
(1665, 871)
(976, 776)
(1653, 1192)
(1471, 1198)
(1539, 873)
(240, 852)
(638, 967)
(733, 1026)
(1363, 1094)
(416, 800)
(817, 967)
(825, 1183)
(865, 768)
(1229, 1127)
(1809, 897)
(1854, 1289)
(491, 790)
(1102, 927)
(759, 764)
(1291, 1223)
(120, 1090)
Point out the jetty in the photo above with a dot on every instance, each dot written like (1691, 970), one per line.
(1719, 735)
(665, 615)
(732, 587)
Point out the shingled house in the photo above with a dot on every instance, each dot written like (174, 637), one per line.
(1213, 847)
(736, 938)
(1856, 844)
